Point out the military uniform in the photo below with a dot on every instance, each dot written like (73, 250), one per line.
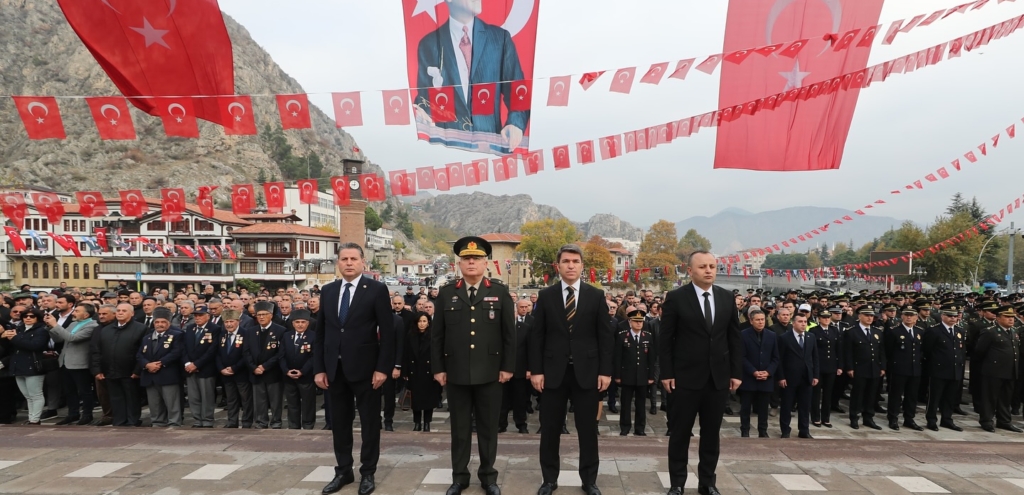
(904, 349)
(472, 341)
(998, 349)
(974, 328)
(864, 355)
(237, 389)
(300, 393)
(633, 363)
(944, 359)
(830, 359)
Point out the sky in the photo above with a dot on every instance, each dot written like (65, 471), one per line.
(903, 129)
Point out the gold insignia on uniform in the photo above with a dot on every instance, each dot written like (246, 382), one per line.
(918, 336)
(876, 336)
(903, 337)
(958, 335)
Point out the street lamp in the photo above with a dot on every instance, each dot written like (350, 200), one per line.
(977, 266)
(920, 272)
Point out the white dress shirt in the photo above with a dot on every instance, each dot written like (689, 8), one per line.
(351, 290)
(460, 60)
(575, 290)
(700, 299)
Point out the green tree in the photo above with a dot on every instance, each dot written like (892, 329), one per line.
(785, 261)
(955, 262)
(597, 258)
(972, 208)
(690, 242)
(248, 284)
(402, 222)
(541, 241)
(373, 221)
(658, 248)
(814, 259)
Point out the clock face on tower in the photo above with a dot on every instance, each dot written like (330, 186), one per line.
(353, 184)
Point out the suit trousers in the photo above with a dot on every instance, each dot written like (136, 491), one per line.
(942, 399)
(125, 408)
(388, 393)
(238, 395)
(821, 398)
(201, 399)
(164, 404)
(424, 416)
(862, 397)
(346, 398)
(637, 397)
(301, 399)
(996, 394)
(759, 401)
(267, 396)
(554, 404)
(903, 393)
(54, 389)
(78, 390)
(839, 388)
(103, 398)
(481, 403)
(613, 394)
(515, 394)
(687, 404)
(798, 391)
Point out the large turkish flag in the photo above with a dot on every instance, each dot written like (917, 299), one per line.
(804, 134)
(159, 48)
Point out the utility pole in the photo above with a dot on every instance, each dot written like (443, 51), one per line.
(1009, 261)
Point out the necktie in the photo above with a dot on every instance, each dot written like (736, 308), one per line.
(467, 47)
(149, 322)
(707, 310)
(343, 307)
(199, 334)
(472, 294)
(231, 341)
(570, 306)
(800, 339)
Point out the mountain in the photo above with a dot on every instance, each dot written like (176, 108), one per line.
(481, 213)
(43, 56)
(733, 230)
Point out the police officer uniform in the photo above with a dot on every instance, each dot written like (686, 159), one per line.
(473, 339)
(864, 355)
(830, 356)
(633, 363)
(998, 348)
(944, 359)
(297, 354)
(904, 348)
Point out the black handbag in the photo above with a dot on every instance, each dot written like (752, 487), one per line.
(44, 364)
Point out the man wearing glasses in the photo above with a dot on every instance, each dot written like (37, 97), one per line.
(864, 361)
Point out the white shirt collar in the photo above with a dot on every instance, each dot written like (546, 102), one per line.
(354, 281)
(575, 287)
(456, 29)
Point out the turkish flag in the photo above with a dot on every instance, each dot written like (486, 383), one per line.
(205, 200)
(611, 147)
(589, 79)
(294, 111)
(500, 170)
(113, 120)
(14, 208)
(708, 65)
(48, 205)
(769, 49)
(441, 179)
(623, 80)
(16, 241)
(794, 48)
(522, 95)
(533, 162)
(629, 142)
(101, 239)
(91, 204)
(738, 56)
(930, 178)
(485, 101)
(133, 204)
(1012, 131)
(585, 152)
(425, 177)
(511, 165)
(641, 139)
(482, 168)
(160, 48)
(408, 184)
(273, 193)
(983, 148)
(396, 107)
(869, 36)
(308, 189)
(558, 91)
(561, 156)
(442, 104)
(348, 109)
(455, 177)
(243, 199)
(172, 204)
(995, 140)
(684, 128)
(809, 134)
(471, 174)
(178, 116)
(682, 69)
(339, 185)
(943, 173)
(238, 116)
(41, 116)
(372, 186)
(845, 41)
(655, 73)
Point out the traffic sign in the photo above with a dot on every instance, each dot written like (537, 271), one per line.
(917, 286)
(1009, 278)
(138, 276)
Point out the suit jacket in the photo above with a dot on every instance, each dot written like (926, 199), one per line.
(523, 345)
(263, 348)
(297, 354)
(999, 352)
(830, 348)
(692, 353)
(799, 366)
(944, 353)
(633, 361)
(589, 346)
(233, 356)
(494, 59)
(167, 349)
(904, 353)
(863, 354)
(75, 355)
(400, 331)
(202, 351)
(473, 340)
(365, 342)
(759, 356)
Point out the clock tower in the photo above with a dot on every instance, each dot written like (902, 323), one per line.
(353, 216)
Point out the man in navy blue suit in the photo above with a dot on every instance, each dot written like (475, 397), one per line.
(798, 374)
(760, 364)
(353, 355)
(465, 51)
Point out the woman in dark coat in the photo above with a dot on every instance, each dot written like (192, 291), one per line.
(416, 370)
(26, 346)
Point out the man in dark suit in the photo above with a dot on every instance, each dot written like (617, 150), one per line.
(864, 362)
(570, 357)
(159, 358)
(701, 363)
(262, 357)
(830, 356)
(113, 361)
(516, 392)
(473, 352)
(904, 349)
(232, 368)
(944, 357)
(402, 318)
(760, 365)
(998, 349)
(354, 355)
(297, 367)
(463, 52)
(633, 370)
(201, 340)
(798, 374)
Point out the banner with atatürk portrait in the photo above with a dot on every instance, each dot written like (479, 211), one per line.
(470, 65)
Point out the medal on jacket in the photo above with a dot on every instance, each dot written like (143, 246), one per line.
(491, 314)
(145, 348)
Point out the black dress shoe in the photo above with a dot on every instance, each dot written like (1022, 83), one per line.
(623, 433)
(565, 431)
(417, 427)
(366, 485)
(893, 426)
(84, 421)
(871, 424)
(492, 489)
(805, 435)
(389, 427)
(503, 429)
(675, 490)
(338, 482)
(854, 425)
(230, 426)
(455, 489)
(529, 409)
(524, 429)
(591, 490)
(547, 488)
(744, 434)
(960, 411)
(762, 434)
(708, 490)
(1009, 427)
(827, 425)
(611, 409)
(989, 428)
(951, 426)
(326, 427)
(913, 426)
(933, 427)
(426, 427)
(785, 434)
(66, 421)
(639, 434)
(728, 411)
(654, 410)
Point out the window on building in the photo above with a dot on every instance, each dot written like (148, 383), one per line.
(75, 267)
(181, 226)
(46, 270)
(56, 272)
(24, 271)
(203, 225)
(317, 248)
(275, 267)
(67, 271)
(85, 271)
(67, 225)
(248, 267)
(247, 246)
(278, 247)
(35, 270)
(96, 270)
(156, 226)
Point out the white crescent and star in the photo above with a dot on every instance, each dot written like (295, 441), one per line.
(526, 91)
(170, 110)
(437, 100)
(103, 112)
(794, 78)
(401, 103)
(481, 94)
(288, 105)
(559, 86)
(152, 35)
(36, 104)
(341, 104)
(238, 118)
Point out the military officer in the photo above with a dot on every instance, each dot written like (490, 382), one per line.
(864, 362)
(634, 371)
(234, 374)
(904, 349)
(830, 356)
(984, 317)
(944, 359)
(473, 352)
(998, 349)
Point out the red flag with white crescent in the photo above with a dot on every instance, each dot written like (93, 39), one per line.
(273, 194)
(243, 199)
(308, 191)
(522, 95)
(396, 107)
(442, 104)
(585, 152)
(654, 74)
(172, 204)
(91, 204)
(455, 177)
(470, 174)
(482, 168)
(239, 119)
(372, 186)
(558, 91)
(205, 200)
(48, 205)
(441, 179)
(112, 118)
(397, 180)
(425, 177)
(178, 116)
(623, 80)
(14, 208)
(339, 185)
(133, 204)
(294, 111)
(348, 109)
(16, 241)
(41, 117)
(561, 157)
(682, 69)
(533, 162)
(485, 99)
